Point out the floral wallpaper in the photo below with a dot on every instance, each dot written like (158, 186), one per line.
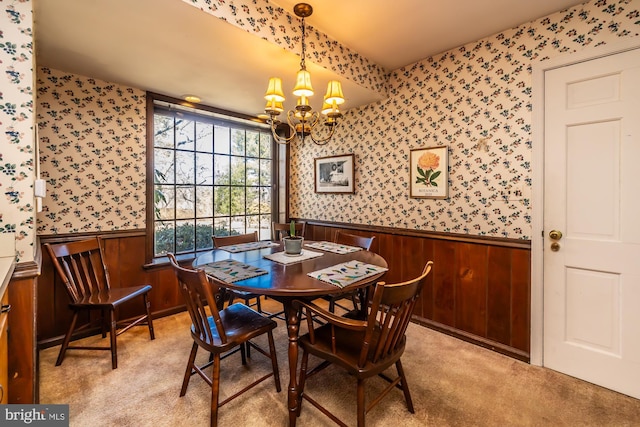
(476, 100)
(282, 28)
(92, 153)
(17, 210)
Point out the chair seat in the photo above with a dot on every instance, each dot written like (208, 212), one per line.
(243, 296)
(240, 323)
(111, 298)
(348, 348)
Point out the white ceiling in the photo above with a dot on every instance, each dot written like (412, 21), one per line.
(173, 48)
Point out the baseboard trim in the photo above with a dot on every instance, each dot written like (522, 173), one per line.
(474, 339)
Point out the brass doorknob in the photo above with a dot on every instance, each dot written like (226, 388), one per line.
(555, 246)
(555, 234)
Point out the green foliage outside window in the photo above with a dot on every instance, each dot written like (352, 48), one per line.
(210, 177)
(164, 237)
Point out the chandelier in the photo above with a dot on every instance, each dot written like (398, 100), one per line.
(303, 121)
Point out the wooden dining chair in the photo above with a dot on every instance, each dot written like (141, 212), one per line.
(363, 242)
(281, 229)
(238, 239)
(220, 332)
(235, 239)
(81, 267)
(364, 348)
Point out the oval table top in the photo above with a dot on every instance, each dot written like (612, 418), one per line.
(291, 280)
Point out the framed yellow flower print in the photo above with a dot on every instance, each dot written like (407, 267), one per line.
(429, 172)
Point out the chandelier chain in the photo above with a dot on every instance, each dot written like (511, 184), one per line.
(304, 54)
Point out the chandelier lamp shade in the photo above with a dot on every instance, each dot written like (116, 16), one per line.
(303, 121)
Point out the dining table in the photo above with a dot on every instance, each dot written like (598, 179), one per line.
(291, 277)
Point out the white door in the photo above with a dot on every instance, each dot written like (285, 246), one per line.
(592, 197)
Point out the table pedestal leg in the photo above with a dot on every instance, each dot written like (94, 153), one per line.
(293, 327)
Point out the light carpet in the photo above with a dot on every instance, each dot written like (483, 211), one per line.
(453, 383)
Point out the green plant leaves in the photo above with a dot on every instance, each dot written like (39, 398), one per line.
(427, 177)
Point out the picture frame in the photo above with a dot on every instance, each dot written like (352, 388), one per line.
(335, 174)
(429, 172)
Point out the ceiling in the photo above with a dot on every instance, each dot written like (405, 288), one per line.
(173, 48)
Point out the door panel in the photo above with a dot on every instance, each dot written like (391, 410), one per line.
(592, 180)
(592, 270)
(593, 310)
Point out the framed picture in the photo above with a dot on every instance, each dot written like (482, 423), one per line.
(335, 174)
(429, 172)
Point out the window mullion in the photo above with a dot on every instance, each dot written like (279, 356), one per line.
(175, 186)
(194, 206)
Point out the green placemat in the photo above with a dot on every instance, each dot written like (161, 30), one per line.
(347, 273)
(230, 270)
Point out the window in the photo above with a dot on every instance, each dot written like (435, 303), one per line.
(210, 176)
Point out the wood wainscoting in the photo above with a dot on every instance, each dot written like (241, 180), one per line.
(22, 344)
(478, 290)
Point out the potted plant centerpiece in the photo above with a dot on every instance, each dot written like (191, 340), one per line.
(292, 243)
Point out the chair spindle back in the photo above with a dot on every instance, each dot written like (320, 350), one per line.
(281, 229)
(235, 239)
(389, 316)
(199, 296)
(354, 240)
(81, 266)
